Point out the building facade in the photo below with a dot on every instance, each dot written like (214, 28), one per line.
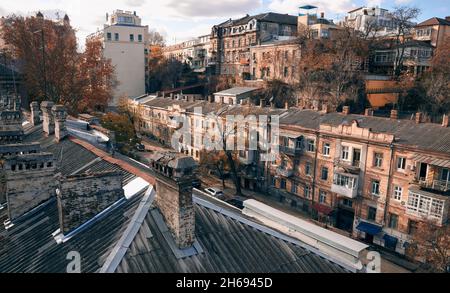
(231, 40)
(435, 31)
(371, 21)
(371, 178)
(125, 43)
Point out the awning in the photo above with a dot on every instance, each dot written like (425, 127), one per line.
(390, 241)
(432, 161)
(323, 209)
(369, 228)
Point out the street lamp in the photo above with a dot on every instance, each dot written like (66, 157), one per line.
(41, 31)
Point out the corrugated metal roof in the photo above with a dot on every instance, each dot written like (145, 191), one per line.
(432, 160)
(237, 91)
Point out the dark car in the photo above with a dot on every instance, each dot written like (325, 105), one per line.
(237, 202)
(197, 184)
(140, 147)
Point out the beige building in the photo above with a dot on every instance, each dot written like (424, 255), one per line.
(371, 178)
(125, 42)
(433, 31)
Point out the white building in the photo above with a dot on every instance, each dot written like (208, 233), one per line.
(125, 43)
(378, 21)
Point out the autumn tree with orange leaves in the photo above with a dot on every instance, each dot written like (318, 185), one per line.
(97, 74)
(53, 69)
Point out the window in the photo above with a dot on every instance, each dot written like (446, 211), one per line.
(308, 169)
(445, 175)
(109, 36)
(398, 191)
(393, 221)
(344, 181)
(131, 37)
(375, 187)
(286, 72)
(298, 144)
(116, 37)
(311, 146)
(294, 187)
(413, 227)
(283, 184)
(140, 38)
(322, 197)
(425, 206)
(345, 153)
(372, 214)
(348, 203)
(307, 192)
(401, 163)
(378, 160)
(326, 149)
(324, 175)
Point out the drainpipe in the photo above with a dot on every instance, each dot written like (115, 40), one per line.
(314, 174)
(388, 190)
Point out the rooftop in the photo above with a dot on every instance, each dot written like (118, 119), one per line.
(237, 91)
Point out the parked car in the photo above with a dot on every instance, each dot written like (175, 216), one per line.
(197, 184)
(215, 192)
(140, 147)
(237, 201)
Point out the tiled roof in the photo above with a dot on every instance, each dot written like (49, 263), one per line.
(434, 21)
(267, 17)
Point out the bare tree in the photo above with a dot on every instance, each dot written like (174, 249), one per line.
(403, 17)
(431, 243)
(156, 39)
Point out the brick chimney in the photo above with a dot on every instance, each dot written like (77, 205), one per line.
(211, 98)
(325, 109)
(346, 110)
(35, 113)
(174, 175)
(445, 121)
(48, 123)
(418, 117)
(30, 181)
(394, 114)
(286, 105)
(82, 197)
(59, 116)
(368, 112)
(262, 103)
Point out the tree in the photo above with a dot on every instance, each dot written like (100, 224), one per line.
(431, 244)
(331, 69)
(279, 93)
(98, 77)
(48, 53)
(403, 17)
(121, 125)
(214, 160)
(436, 82)
(156, 39)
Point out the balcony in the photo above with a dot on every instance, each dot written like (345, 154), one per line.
(438, 185)
(345, 185)
(290, 151)
(352, 167)
(424, 204)
(285, 172)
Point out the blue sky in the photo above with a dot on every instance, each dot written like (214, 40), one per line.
(182, 19)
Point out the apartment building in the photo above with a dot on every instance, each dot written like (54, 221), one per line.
(371, 21)
(368, 177)
(232, 39)
(195, 52)
(125, 43)
(275, 60)
(314, 26)
(374, 177)
(433, 31)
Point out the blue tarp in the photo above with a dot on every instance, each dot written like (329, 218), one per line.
(369, 228)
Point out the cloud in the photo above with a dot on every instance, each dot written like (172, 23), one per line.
(135, 3)
(332, 8)
(228, 8)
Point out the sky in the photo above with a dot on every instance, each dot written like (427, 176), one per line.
(179, 20)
